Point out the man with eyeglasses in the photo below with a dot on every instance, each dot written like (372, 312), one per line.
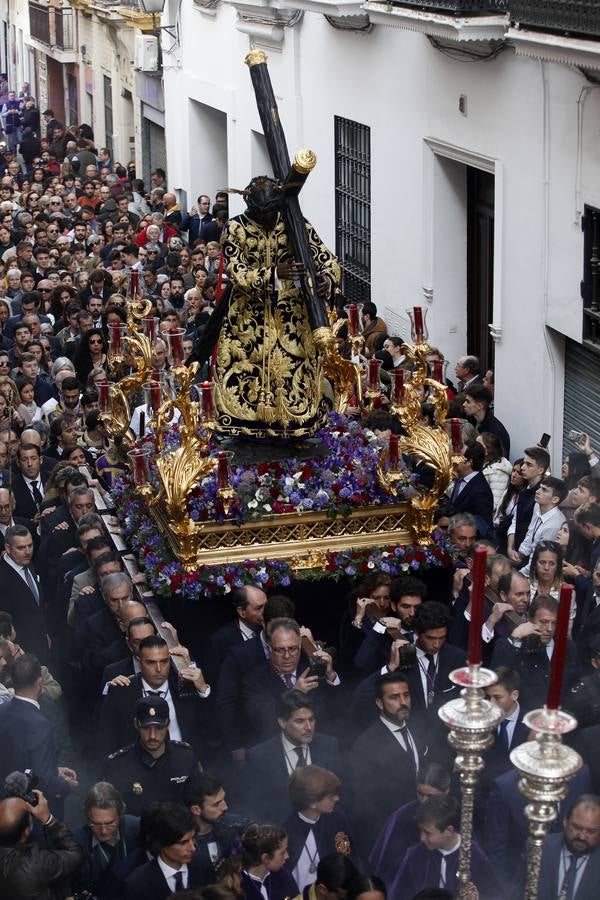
(108, 837)
(286, 668)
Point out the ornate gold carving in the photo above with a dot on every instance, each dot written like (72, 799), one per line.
(255, 58)
(304, 161)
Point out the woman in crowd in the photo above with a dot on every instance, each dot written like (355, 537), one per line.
(497, 469)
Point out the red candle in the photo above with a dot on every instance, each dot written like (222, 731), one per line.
(176, 346)
(377, 402)
(374, 374)
(155, 375)
(559, 654)
(438, 370)
(222, 470)
(155, 395)
(142, 423)
(115, 336)
(207, 399)
(393, 451)
(353, 319)
(139, 468)
(150, 328)
(456, 436)
(477, 600)
(104, 396)
(418, 317)
(398, 387)
(134, 279)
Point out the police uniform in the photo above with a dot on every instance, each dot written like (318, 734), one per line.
(143, 779)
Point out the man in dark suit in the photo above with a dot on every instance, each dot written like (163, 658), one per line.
(242, 658)
(477, 406)
(249, 603)
(529, 652)
(506, 827)
(116, 728)
(175, 866)
(386, 758)
(20, 591)
(468, 372)
(270, 764)
(27, 736)
(571, 860)
(429, 680)
(138, 629)
(471, 493)
(28, 483)
(7, 508)
(286, 668)
(511, 732)
(406, 594)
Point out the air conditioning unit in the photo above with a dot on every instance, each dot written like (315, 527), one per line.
(146, 53)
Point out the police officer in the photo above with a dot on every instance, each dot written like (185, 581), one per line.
(155, 768)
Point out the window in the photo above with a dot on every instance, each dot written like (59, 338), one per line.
(590, 284)
(353, 208)
(108, 115)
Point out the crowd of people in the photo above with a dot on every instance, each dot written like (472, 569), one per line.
(262, 768)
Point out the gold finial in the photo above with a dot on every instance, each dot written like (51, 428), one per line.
(304, 161)
(255, 58)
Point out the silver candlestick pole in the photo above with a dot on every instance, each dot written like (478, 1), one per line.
(546, 766)
(471, 719)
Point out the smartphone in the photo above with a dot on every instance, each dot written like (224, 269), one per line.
(575, 436)
(545, 440)
(85, 472)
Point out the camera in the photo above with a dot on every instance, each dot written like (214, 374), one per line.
(407, 657)
(317, 666)
(22, 784)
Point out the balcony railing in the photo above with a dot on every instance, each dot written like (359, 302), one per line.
(63, 27)
(51, 25)
(39, 22)
(459, 7)
(573, 17)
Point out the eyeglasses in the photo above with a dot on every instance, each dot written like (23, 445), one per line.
(46, 290)
(95, 340)
(286, 651)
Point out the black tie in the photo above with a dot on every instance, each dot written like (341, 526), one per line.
(178, 881)
(299, 751)
(430, 669)
(503, 735)
(567, 888)
(36, 494)
(409, 747)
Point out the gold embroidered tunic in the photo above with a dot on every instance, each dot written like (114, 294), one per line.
(268, 374)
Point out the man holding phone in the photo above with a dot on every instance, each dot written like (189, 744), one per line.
(533, 468)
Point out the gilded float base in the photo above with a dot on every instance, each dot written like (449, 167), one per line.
(301, 539)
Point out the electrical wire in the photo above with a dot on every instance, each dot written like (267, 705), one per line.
(464, 54)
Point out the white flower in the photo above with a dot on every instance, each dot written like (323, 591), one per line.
(267, 507)
(252, 504)
(370, 565)
(226, 588)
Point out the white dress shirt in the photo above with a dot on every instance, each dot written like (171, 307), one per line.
(423, 664)
(543, 527)
(170, 874)
(443, 867)
(404, 738)
(308, 859)
(291, 757)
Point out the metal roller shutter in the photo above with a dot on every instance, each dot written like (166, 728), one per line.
(582, 394)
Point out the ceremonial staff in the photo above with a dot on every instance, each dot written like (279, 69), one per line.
(292, 176)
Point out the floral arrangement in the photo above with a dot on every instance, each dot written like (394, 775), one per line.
(342, 479)
(166, 575)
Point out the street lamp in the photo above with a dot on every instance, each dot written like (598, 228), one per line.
(155, 8)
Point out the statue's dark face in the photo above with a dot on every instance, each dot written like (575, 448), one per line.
(263, 199)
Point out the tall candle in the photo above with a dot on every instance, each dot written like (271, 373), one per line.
(353, 319)
(149, 324)
(139, 468)
(207, 399)
(438, 370)
(418, 317)
(559, 655)
(456, 436)
(176, 346)
(398, 387)
(115, 336)
(477, 601)
(134, 279)
(155, 375)
(222, 470)
(104, 396)
(374, 374)
(142, 423)
(155, 395)
(393, 451)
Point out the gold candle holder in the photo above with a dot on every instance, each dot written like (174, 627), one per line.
(546, 767)
(471, 719)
